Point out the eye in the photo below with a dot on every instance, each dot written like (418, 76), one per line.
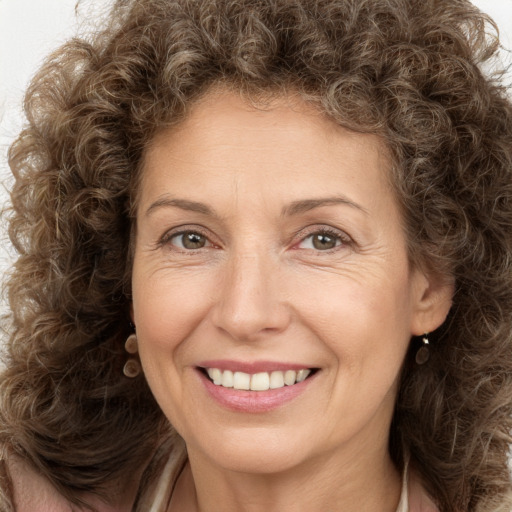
(189, 240)
(321, 241)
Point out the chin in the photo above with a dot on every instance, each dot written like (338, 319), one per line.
(252, 452)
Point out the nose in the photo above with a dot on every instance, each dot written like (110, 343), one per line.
(250, 302)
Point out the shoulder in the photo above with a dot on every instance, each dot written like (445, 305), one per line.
(32, 491)
(419, 499)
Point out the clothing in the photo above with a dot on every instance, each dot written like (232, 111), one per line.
(160, 496)
(403, 504)
(413, 497)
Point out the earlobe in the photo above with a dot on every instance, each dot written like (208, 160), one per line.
(433, 301)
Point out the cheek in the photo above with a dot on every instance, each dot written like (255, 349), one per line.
(167, 307)
(363, 318)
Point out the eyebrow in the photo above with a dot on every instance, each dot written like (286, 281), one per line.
(184, 204)
(294, 208)
(304, 205)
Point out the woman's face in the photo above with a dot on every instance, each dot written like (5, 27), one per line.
(269, 245)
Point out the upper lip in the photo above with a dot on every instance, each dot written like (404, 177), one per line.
(252, 366)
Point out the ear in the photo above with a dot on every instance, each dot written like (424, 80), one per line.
(433, 294)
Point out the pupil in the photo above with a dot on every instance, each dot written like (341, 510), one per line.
(324, 242)
(193, 241)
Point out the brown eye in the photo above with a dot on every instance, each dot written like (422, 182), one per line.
(189, 240)
(321, 241)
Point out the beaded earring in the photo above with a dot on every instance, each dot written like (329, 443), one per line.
(132, 366)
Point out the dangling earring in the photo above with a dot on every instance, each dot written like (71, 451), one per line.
(132, 366)
(423, 353)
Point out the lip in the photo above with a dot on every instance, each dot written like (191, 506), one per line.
(253, 402)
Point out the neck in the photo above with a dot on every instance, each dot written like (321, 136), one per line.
(367, 482)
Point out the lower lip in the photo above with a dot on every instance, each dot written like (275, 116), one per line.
(254, 401)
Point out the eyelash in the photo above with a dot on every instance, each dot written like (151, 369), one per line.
(342, 239)
(166, 239)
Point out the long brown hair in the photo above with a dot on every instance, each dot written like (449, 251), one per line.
(406, 70)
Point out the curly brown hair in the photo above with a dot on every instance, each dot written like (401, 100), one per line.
(406, 70)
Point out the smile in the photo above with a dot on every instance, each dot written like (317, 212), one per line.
(262, 381)
(255, 390)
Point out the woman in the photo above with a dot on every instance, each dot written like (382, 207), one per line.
(264, 263)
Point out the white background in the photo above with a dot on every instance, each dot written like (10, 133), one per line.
(30, 29)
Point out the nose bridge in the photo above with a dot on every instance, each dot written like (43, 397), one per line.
(250, 300)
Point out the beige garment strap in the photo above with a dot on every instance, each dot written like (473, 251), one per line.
(164, 486)
(167, 481)
(157, 497)
(403, 504)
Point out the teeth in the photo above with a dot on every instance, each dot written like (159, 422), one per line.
(257, 381)
(302, 374)
(289, 377)
(227, 379)
(276, 380)
(241, 380)
(260, 381)
(216, 375)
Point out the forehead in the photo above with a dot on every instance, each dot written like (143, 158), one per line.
(227, 141)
